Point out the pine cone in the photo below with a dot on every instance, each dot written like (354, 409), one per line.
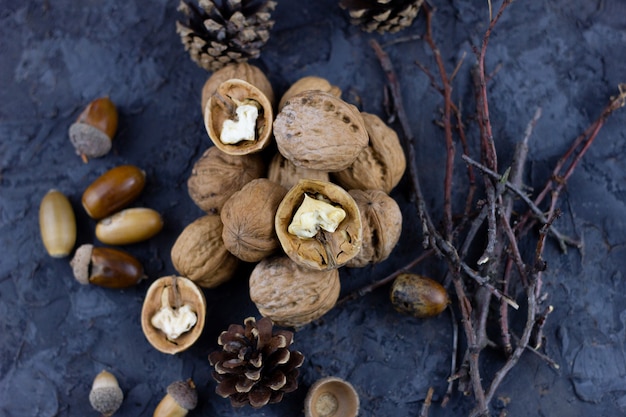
(255, 366)
(382, 15)
(224, 31)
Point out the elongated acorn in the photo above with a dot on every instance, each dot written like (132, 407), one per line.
(106, 396)
(57, 224)
(181, 397)
(128, 226)
(106, 267)
(418, 296)
(93, 131)
(113, 191)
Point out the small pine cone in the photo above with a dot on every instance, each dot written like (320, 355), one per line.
(219, 32)
(255, 365)
(382, 15)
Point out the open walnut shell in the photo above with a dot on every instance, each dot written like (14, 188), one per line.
(240, 71)
(381, 165)
(173, 294)
(223, 106)
(292, 295)
(285, 173)
(216, 176)
(382, 225)
(317, 130)
(325, 250)
(248, 219)
(200, 255)
(307, 84)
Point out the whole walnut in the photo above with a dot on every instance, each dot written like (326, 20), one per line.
(381, 165)
(291, 295)
(200, 255)
(319, 225)
(317, 130)
(248, 220)
(240, 71)
(216, 176)
(306, 84)
(382, 225)
(285, 173)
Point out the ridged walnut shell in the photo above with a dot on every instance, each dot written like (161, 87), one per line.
(285, 173)
(240, 71)
(222, 106)
(382, 225)
(310, 83)
(216, 176)
(292, 295)
(317, 130)
(248, 220)
(381, 165)
(188, 293)
(325, 250)
(200, 255)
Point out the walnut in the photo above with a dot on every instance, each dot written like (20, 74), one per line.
(240, 71)
(285, 173)
(200, 255)
(216, 176)
(173, 314)
(292, 295)
(382, 225)
(317, 130)
(324, 236)
(238, 118)
(381, 165)
(307, 84)
(248, 219)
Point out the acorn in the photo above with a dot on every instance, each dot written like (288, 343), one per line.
(106, 267)
(418, 296)
(181, 397)
(113, 190)
(106, 396)
(93, 131)
(128, 226)
(57, 224)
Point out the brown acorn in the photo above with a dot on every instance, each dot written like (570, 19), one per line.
(106, 267)
(94, 129)
(418, 296)
(113, 190)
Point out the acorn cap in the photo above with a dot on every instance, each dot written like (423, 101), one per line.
(331, 397)
(184, 393)
(106, 396)
(80, 263)
(89, 140)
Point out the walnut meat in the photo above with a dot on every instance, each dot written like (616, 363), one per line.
(382, 225)
(307, 84)
(240, 71)
(285, 173)
(248, 219)
(317, 130)
(200, 255)
(173, 314)
(381, 165)
(216, 176)
(238, 118)
(292, 295)
(324, 236)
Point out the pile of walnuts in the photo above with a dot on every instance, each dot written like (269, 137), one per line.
(301, 191)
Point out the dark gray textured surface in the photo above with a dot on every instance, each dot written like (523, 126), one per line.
(55, 335)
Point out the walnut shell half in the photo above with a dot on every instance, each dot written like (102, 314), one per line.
(223, 107)
(382, 225)
(282, 171)
(216, 176)
(307, 84)
(381, 165)
(172, 293)
(317, 130)
(292, 295)
(200, 255)
(325, 250)
(248, 219)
